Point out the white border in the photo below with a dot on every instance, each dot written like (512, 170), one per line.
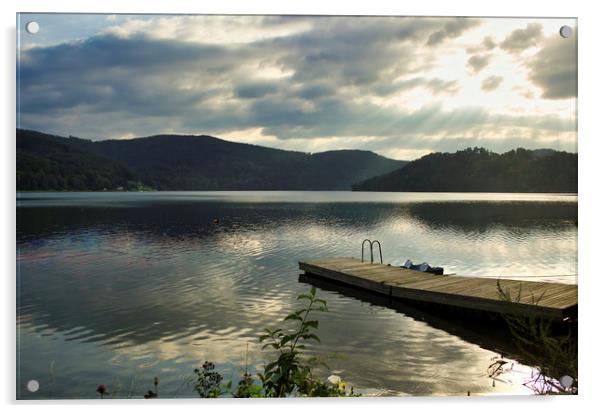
(590, 151)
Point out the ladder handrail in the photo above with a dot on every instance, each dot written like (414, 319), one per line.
(380, 251)
(371, 243)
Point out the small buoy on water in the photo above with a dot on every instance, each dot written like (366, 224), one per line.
(216, 220)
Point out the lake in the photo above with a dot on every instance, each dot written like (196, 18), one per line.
(118, 288)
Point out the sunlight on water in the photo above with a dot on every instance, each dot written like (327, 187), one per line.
(118, 288)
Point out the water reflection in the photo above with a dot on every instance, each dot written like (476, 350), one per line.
(483, 216)
(153, 287)
(481, 330)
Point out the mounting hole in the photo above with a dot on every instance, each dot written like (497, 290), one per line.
(32, 27)
(566, 381)
(33, 386)
(566, 31)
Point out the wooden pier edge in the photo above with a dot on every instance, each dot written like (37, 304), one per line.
(551, 301)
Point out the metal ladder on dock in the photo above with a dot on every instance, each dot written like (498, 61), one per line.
(371, 243)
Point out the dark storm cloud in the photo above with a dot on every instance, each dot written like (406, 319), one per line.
(107, 73)
(478, 62)
(338, 52)
(358, 52)
(489, 43)
(315, 91)
(139, 77)
(491, 83)
(521, 39)
(554, 68)
(485, 46)
(255, 89)
(451, 29)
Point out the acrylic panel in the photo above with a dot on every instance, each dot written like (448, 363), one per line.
(292, 206)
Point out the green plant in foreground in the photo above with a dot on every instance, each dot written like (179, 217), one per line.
(208, 382)
(291, 373)
(554, 356)
(247, 387)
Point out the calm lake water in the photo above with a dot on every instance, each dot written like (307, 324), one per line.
(118, 288)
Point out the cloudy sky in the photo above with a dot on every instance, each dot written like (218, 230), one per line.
(400, 86)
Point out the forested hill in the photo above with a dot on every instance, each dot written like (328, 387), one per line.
(479, 170)
(176, 162)
(46, 162)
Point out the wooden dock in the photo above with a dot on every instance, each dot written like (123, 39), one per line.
(552, 301)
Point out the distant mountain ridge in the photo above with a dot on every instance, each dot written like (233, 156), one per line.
(480, 170)
(185, 162)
